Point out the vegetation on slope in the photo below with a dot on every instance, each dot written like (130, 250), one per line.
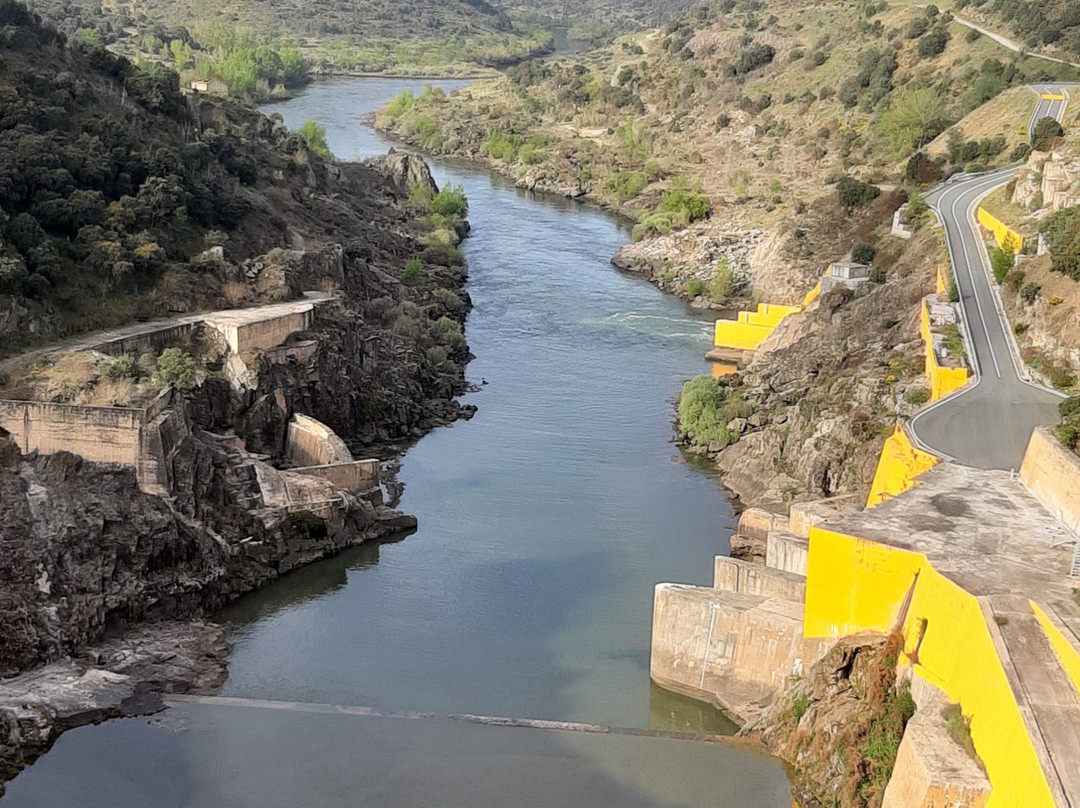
(1053, 27)
(211, 40)
(114, 184)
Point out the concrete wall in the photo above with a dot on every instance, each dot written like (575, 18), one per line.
(159, 440)
(100, 434)
(242, 334)
(1003, 234)
(751, 328)
(854, 585)
(152, 341)
(1052, 473)
(357, 477)
(931, 769)
(734, 650)
(1065, 644)
(787, 552)
(898, 466)
(943, 380)
(734, 575)
(312, 443)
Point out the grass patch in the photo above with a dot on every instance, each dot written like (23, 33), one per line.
(954, 341)
(959, 728)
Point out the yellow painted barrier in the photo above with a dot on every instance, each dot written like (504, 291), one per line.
(1003, 234)
(942, 280)
(898, 466)
(812, 295)
(854, 586)
(1053, 97)
(943, 380)
(751, 328)
(1067, 651)
(741, 336)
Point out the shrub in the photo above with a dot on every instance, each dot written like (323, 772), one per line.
(917, 395)
(448, 298)
(1045, 132)
(959, 728)
(450, 202)
(627, 184)
(501, 146)
(863, 253)
(854, 194)
(934, 42)
(412, 270)
(1020, 152)
(1062, 232)
(1070, 407)
(877, 275)
(722, 282)
(176, 368)
(447, 332)
(314, 136)
(699, 415)
(120, 367)
(1029, 291)
(799, 706)
(695, 287)
(1019, 328)
(1001, 261)
(685, 206)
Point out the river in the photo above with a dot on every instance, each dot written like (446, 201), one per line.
(545, 522)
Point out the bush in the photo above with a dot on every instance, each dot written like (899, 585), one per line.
(916, 395)
(1045, 132)
(1070, 407)
(447, 332)
(448, 298)
(1020, 152)
(933, 44)
(722, 282)
(314, 136)
(695, 287)
(1001, 261)
(121, 367)
(412, 270)
(1062, 232)
(863, 253)
(450, 202)
(854, 194)
(176, 368)
(877, 275)
(1029, 291)
(699, 415)
(685, 206)
(1019, 328)
(627, 184)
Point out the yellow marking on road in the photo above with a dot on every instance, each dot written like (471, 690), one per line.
(1053, 97)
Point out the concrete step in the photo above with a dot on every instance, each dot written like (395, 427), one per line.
(1047, 698)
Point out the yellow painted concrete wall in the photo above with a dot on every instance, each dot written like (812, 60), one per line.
(812, 295)
(943, 380)
(742, 336)
(942, 280)
(1003, 234)
(1063, 642)
(1053, 97)
(898, 466)
(855, 586)
(752, 327)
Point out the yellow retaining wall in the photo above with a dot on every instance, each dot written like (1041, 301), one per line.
(942, 280)
(855, 586)
(1003, 234)
(812, 295)
(1053, 97)
(943, 381)
(1066, 648)
(753, 327)
(898, 466)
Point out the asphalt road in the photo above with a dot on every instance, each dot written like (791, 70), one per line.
(1048, 108)
(988, 424)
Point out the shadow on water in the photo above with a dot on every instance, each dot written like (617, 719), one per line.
(306, 583)
(198, 755)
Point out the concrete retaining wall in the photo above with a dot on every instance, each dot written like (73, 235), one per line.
(356, 477)
(152, 341)
(734, 575)
(731, 649)
(100, 434)
(787, 552)
(313, 443)
(1052, 473)
(259, 335)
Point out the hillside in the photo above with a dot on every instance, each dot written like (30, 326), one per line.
(1052, 28)
(753, 144)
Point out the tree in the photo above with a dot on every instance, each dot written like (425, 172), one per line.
(314, 136)
(1062, 233)
(293, 66)
(854, 194)
(912, 118)
(1044, 133)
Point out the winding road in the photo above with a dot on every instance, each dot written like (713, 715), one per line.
(988, 423)
(1048, 107)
